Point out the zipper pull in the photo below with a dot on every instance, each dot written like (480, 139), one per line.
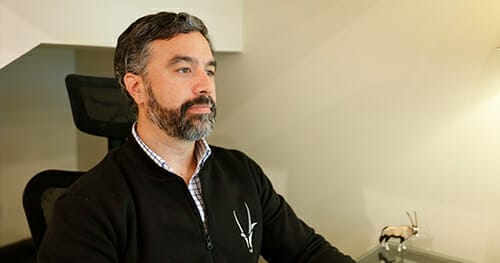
(210, 246)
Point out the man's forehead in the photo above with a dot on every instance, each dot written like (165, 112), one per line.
(184, 45)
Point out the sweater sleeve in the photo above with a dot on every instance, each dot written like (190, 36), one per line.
(80, 231)
(286, 237)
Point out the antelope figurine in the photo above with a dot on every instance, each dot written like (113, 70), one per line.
(401, 232)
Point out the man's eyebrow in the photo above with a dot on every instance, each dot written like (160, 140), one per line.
(178, 58)
(212, 63)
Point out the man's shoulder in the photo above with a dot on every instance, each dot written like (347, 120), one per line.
(230, 156)
(221, 153)
(102, 179)
(234, 159)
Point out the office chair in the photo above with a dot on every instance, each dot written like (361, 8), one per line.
(39, 197)
(22, 251)
(99, 108)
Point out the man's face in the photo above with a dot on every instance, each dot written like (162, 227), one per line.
(180, 86)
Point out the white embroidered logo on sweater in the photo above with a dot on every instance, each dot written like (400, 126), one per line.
(246, 236)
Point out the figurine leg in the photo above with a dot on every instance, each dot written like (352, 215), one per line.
(386, 243)
(403, 245)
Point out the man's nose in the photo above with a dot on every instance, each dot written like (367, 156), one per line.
(204, 84)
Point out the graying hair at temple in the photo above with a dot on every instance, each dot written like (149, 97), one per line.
(132, 49)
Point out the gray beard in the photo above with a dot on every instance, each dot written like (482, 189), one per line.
(177, 122)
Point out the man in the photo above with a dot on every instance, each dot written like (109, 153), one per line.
(166, 195)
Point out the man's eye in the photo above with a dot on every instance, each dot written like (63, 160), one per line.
(184, 70)
(211, 73)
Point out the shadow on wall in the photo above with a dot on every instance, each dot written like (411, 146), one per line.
(36, 128)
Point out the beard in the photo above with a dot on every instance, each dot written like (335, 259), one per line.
(177, 122)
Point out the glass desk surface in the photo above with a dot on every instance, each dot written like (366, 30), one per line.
(410, 255)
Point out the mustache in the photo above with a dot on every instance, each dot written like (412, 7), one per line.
(200, 100)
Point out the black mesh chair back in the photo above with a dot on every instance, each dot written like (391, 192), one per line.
(39, 197)
(99, 107)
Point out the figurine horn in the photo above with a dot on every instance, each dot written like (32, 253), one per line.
(411, 220)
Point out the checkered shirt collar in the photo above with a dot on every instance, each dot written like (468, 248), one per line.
(201, 148)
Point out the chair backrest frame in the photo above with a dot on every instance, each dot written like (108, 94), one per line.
(100, 108)
(32, 198)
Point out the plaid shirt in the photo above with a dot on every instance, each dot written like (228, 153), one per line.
(202, 152)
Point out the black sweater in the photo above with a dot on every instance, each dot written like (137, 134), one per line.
(128, 209)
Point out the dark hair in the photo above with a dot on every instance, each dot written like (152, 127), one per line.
(132, 48)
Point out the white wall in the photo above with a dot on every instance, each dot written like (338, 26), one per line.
(373, 108)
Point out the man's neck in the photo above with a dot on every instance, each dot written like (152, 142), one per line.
(178, 153)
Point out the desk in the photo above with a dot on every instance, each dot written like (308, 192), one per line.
(411, 255)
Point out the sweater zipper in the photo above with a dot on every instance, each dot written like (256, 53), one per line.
(208, 221)
(205, 232)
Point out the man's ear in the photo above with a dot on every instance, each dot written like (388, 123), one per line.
(135, 87)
